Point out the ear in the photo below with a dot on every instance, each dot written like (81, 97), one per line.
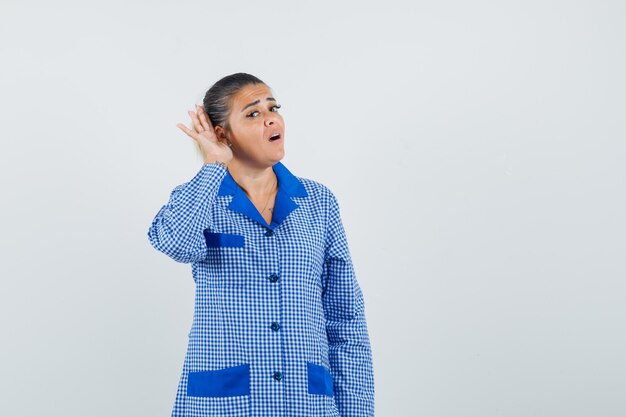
(220, 133)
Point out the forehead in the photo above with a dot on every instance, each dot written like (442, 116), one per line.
(250, 93)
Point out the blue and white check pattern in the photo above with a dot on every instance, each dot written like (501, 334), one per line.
(279, 324)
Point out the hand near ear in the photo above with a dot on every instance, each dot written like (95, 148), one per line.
(204, 134)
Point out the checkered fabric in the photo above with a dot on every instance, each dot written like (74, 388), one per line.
(279, 323)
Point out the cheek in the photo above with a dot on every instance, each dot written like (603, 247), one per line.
(248, 137)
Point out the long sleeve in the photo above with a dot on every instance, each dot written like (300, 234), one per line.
(177, 229)
(349, 346)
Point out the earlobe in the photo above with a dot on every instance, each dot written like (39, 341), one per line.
(222, 135)
(226, 139)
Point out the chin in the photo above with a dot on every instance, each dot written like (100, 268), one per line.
(276, 158)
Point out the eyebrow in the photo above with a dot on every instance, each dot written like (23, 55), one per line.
(257, 102)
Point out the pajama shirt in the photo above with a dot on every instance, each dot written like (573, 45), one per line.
(279, 323)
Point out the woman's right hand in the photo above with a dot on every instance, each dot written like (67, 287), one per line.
(203, 133)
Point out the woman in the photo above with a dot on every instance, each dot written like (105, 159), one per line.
(279, 326)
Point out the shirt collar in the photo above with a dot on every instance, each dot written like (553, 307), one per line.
(288, 186)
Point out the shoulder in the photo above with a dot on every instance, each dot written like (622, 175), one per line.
(319, 192)
(315, 188)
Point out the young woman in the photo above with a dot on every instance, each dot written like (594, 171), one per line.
(279, 326)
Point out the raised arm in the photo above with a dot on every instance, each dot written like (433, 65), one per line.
(177, 229)
(349, 346)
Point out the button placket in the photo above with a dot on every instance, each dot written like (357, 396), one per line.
(274, 265)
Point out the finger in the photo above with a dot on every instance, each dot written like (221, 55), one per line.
(195, 121)
(206, 122)
(188, 131)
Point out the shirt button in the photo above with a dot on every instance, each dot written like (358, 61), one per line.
(278, 376)
(275, 326)
(269, 232)
(273, 278)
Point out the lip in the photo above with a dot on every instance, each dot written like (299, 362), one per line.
(280, 139)
(272, 134)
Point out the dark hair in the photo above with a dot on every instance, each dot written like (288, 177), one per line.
(218, 98)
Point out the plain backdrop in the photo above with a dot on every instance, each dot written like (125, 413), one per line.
(476, 149)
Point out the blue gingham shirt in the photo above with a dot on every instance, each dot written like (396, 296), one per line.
(279, 326)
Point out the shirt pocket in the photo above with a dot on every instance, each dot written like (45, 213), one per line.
(219, 392)
(226, 382)
(320, 380)
(320, 391)
(230, 258)
(220, 239)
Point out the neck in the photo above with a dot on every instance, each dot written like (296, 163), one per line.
(255, 181)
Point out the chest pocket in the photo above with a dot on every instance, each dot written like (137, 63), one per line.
(217, 239)
(231, 259)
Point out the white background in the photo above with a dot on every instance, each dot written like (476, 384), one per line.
(476, 149)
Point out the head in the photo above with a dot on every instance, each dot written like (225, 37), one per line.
(245, 115)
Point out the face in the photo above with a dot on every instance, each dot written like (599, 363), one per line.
(254, 120)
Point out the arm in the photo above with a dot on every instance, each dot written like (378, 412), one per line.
(349, 347)
(177, 229)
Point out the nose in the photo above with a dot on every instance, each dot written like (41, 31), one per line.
(270, 119)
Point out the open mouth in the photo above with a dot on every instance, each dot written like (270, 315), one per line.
(274, 137)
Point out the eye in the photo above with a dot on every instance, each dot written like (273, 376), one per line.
(276, 106)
